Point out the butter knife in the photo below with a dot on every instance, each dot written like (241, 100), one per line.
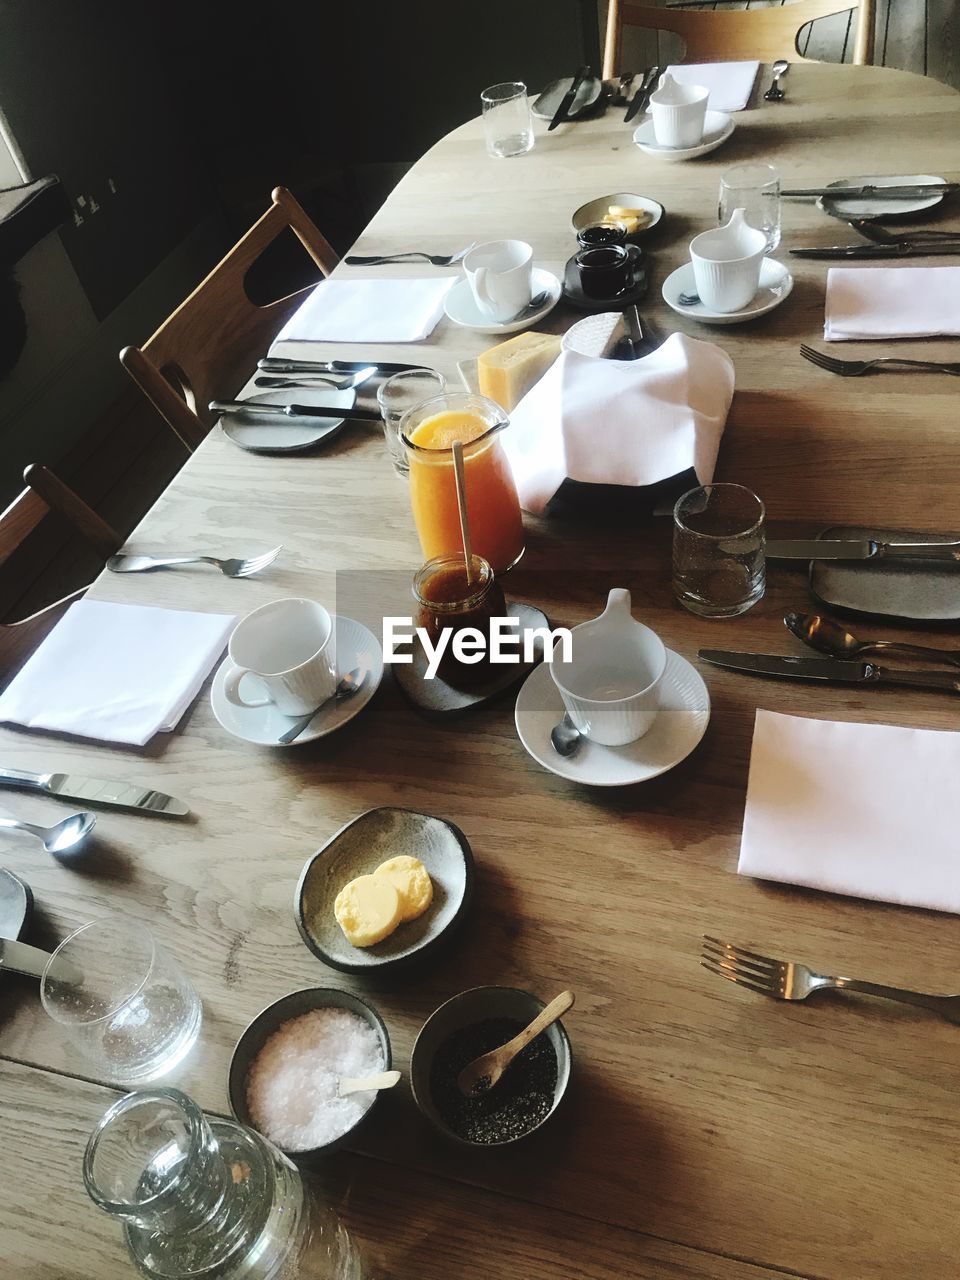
(22, 958)
(642, 96)
(566, 102)
(831, 670)
(859, 251)
(906, 191)
(860, 549)
(254, 409)
(111, 794)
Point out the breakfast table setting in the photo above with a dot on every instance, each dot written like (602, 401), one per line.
(734, 902)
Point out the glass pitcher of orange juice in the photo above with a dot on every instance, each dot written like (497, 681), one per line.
(493, 508)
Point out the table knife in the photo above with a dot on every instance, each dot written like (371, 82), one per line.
(275, 364)
(831, 670)
(256, 410)
(907, 191)
(22, 958)
(642, 96)
(566, 102)
(860, 549)
(113, 795)
(859, 251)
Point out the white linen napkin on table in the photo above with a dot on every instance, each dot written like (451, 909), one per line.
(891, 302)
(116, 672)
(399, 310)
(863, 809)
(730, 83)
(626, 422)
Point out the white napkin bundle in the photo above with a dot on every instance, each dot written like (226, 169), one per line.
(730, 83)
(116, 672)
(399, 310)
(891, 302)
(863, 809)
(624, 422)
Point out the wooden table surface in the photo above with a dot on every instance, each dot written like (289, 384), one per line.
(708, 1132)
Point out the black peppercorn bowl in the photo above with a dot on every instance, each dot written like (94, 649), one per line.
(470, 1008)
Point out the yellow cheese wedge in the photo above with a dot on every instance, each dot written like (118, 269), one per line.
(507, 372)
(411, 879)
(367, 910)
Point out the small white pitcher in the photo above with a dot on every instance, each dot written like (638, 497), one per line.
(678, 112)
(726, 263)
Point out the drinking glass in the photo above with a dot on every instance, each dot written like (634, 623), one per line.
(718, 560)
(507, 120)
(126, 1005)
(755, 188)
(398, 394)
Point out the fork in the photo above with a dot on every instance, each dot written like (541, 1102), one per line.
(437, 259)
(235, 568)
(854, 368)
(785, 980)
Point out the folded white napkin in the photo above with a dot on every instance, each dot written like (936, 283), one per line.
(117, 672)
(626, 422)
(865, 809)
(368, 311)
(730, 83)
(891, 302)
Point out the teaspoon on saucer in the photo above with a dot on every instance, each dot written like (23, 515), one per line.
(565, 737)
(351, 683)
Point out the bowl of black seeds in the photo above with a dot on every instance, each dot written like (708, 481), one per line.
(472, 1023)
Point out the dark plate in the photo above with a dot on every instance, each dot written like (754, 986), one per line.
(588, 97)
(287, 435)
(16, 901)
(358, 849)
(635, 292)
(901, 592)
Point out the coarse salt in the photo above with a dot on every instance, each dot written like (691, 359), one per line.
(292, 1083)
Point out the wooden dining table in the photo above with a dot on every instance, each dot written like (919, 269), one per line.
(708, 1132)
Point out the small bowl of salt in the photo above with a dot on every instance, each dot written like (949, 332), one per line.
(286, 1068)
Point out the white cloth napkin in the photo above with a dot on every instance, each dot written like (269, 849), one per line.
(865, 809)
(730, 83)
(117, 672)
(368, 311)
(626, 422)
(891, 302)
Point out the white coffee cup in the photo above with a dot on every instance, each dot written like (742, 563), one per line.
(611, 685)
(678, 112)
(289, 645)
(501, 277)
(726, 263)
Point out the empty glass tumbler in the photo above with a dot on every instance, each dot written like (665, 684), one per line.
(754, 188)
(398, 394)
(507, 119)
(718, 550)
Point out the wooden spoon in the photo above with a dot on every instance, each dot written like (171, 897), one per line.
(360, 1084)
(484, 1072)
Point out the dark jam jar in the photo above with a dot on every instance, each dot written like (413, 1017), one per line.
(445, 599)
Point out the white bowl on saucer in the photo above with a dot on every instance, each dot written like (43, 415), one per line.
(717, 128)
(776, 284)
(461, 307)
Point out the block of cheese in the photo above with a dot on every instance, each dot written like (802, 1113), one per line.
(367, 910)
(411, 879)
(507, 372)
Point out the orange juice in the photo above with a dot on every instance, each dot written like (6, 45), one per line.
(493, 508)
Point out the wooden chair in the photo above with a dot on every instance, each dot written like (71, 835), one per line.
(205, 350)
(720, 35)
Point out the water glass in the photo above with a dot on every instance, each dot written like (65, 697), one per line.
(718, 544)
(507, 119)
(398, 394)
(126, 1005)
(755, 188)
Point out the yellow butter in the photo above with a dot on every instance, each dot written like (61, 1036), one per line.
(367, 910)
(507, 372)
(411, 879)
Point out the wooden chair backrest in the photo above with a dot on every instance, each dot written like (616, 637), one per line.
(204, 350)
(726, 35)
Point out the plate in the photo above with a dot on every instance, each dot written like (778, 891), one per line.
(291, 435)
(264, 725)
(595, 211)
(545, 105)
(717, 128)
(461, 307)
(358, 849)
(867, 208)
(776, 283)
(573, 293)
(679, 726)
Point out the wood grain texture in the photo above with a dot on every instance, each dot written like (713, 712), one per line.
(698, 1113)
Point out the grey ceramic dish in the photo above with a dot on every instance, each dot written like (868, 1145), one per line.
(595, 211)
(358, 849)
(908, 591)
(264, 1025)
(476, 1005)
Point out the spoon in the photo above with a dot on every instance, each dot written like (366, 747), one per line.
(351, 683)
(830, 637)
(533, 305)
(775, 93)
(62, 837)
(484, 1072)
(565, 737)
(362, 1084)
(688, 299)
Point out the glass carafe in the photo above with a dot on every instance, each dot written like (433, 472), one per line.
(209, 1198)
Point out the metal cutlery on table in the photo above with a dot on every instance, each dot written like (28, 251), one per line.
(860, 549)
(20, 957)
(283, 364)
(255, 409)
(829, 670)
(905, 191)
(411, 255)
(780, 69)
(351, 683)
(830, 637)
(112, 794)
(872, 230)
(788, 980)
(127, 562)
(856, 368)
(642, 96)
(566, 102)
(878, 252)
(335, 381)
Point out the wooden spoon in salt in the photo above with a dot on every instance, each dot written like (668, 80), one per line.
(362, 1084)
(483, 1073)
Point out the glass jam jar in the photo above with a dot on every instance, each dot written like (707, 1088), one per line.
(445, 599)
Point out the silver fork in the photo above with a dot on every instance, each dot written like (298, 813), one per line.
(414, 255)
(785, 980)
(123, 563)
(854, 368)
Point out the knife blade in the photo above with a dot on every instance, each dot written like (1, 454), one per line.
(641, 97)
(903, 250)
(111, 794)
(831, 670)
(22, 958)
(566, 102)
(860, 549)
(255, 410)
(276, 364)
(907, 191)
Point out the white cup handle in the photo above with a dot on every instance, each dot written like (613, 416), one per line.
(231, 689)
(481, 292)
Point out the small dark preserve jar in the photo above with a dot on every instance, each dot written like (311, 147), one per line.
(445, 599)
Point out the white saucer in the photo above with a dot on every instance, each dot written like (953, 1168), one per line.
(356, 646)
(776, 282)
(679, 726)
(287, 435)
(717, 128)
(461, 306)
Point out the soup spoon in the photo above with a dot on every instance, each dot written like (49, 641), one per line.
(830, 637)
(62, 837)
